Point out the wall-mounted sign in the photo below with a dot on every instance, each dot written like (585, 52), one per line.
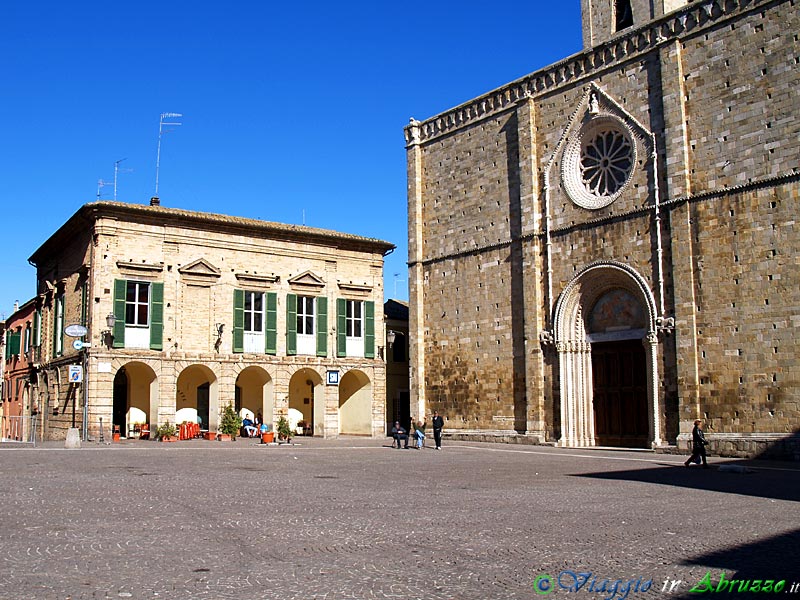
(332, 378)
(76, 330)
(75, 374)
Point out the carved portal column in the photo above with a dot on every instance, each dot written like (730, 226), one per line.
(650, 343)
(577, 418)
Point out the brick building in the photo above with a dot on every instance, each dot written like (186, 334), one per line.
(606, 249)
(186, 312)
(20, 397)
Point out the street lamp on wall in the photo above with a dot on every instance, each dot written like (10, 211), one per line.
(390, 337)
(219, 328)
(108, 334)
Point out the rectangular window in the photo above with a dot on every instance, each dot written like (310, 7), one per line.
(306, 338)
(37, 328)
(254, 312)
(58, 326)
(305, 315)
(354, 319)
(27, 346)
(137, 304)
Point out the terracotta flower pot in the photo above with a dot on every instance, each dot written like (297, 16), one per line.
(223, 437)
(267, 438)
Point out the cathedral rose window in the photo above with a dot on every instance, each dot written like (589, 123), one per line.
(606, 161)
(598, 162)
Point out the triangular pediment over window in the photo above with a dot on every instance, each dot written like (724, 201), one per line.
(307, 280)
(199, 272)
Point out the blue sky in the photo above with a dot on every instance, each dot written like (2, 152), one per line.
(291, 111)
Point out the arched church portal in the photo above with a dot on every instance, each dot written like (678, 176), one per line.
(606, 340)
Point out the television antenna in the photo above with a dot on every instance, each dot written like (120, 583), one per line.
(162, 131)
(117, 171)
(100, 185)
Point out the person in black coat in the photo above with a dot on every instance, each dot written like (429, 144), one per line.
(699, 444)
(438, 424)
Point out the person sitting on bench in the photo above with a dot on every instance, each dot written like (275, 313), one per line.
(250, 430)
(399, 434)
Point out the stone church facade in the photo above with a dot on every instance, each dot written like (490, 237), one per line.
(605, 250)
(186, 312)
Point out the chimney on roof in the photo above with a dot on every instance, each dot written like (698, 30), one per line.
(16, 305)
(154, 201)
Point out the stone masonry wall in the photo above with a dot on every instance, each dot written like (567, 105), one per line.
(714, 83)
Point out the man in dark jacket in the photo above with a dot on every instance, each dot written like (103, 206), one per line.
(438, 424)
(399, 434)
(698, 445)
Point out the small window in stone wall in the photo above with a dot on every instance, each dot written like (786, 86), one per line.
(623, 14)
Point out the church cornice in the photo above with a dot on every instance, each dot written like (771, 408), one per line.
(587, 64)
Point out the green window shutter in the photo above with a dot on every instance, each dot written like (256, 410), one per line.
(291, 324)
(271, 337)
(322, 326)
(369, 329)
(238, 321)
(341, 327)
(14, 343)
(157, 316)
(120, 290)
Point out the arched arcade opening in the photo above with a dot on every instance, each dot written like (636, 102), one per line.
(135, 397)
(196, 399)
(355, 403)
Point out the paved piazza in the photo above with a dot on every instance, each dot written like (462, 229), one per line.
(353, 518)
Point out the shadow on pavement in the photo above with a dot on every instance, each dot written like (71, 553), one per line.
(777, 484)
(774, 558)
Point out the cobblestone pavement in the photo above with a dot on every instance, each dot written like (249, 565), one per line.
(353, 518)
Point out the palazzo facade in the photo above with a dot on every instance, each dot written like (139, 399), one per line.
(605, 250)
(185, 312)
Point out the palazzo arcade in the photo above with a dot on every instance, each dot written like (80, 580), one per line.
(187, 312)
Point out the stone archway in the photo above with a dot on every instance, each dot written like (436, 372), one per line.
(355, 403)
(307, 401)
(593, 309)
(255, 392)
(197, 397)
(135, 396)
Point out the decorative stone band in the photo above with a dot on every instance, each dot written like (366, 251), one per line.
(764, 182)
(586, 64)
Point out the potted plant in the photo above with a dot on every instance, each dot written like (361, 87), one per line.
(284, 431)
(267, 437)
(229, 424)
(166, 432)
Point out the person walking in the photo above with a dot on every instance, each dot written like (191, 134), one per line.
(699, 444)
(438, 424)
